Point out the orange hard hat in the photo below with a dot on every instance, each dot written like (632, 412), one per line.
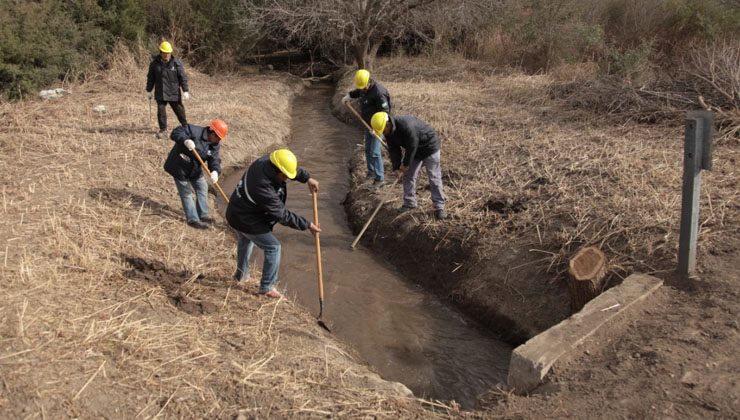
(219, 127)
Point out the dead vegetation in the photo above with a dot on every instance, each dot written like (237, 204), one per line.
(531, 179)
(113, 307)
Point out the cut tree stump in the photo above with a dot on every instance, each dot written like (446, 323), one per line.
(586, 271)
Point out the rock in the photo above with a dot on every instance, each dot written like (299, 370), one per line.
(100, 109)
(52, 93)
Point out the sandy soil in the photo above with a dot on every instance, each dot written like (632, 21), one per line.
(529, 181)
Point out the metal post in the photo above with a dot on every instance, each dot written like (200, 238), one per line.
(697, 156)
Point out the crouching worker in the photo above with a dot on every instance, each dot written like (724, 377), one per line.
(256, 205)
(421, 147)
(185, 168)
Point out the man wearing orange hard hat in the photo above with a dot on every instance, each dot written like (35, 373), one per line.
(167, 78)
(184, 167)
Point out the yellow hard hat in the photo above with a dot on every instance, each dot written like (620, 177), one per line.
(362, 78)
(378, 122)
(285, 160)
(165, 47)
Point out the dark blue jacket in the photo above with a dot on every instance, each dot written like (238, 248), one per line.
(416, 137)
(166, 79)
(376, 99)
(258, 202)
(181, 163)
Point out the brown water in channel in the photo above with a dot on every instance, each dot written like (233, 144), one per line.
(407, 334)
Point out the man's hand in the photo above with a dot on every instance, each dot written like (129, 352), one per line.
(346, 99)
(313, 185)
(189, 144)
(149, 95)
(400, 172)
(214, 176)
(315, 229)
(186, 95)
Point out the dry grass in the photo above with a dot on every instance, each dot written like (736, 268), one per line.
(518, 164)
(113, 308)
(530, 180)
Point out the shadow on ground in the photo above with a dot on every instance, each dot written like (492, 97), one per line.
(123, 196)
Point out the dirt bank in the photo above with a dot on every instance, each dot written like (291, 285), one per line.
(113, 307)
(529, 181)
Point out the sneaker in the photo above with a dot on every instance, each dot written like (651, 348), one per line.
(208, 220)
(198, 225)
(273, 293)
(404, 209)
(440, 214)
(378, 183)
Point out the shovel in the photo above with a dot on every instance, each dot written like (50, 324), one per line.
(372, 216)
(205, 169)
(318, 262)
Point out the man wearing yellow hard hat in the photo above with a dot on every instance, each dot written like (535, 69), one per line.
(373, 97)
(421, 147)
(167, 78)
(256, 205)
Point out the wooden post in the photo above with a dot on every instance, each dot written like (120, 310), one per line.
(697, 156)
(586, 270)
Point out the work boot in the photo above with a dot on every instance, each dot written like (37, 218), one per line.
(404, 209)
(198, 225)
(161, 134)
(272, 293)
(378, 183)
(208, 220)
(440, 214)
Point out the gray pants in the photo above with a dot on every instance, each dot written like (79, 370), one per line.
(434, 172)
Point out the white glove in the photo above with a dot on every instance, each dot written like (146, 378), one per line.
(189, 144)
(346, 98)
(149, 95)
(214, 176)
(186, 95)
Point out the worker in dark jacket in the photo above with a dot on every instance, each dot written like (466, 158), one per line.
(421, 146)
(185, 168)
(373, 97)
(256, 205)
(167, 77)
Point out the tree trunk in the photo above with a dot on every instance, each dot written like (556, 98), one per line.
(359, 50)
(586, 270)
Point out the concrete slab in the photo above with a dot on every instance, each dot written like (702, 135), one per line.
(531, 361)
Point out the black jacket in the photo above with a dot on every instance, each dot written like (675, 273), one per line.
(416, 137)
(181, 163)
(258, 202)
(166, 79)
(376, 99)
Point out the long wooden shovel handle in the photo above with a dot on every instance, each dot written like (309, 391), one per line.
(205, 169)
(318, 247)
(372, 216)
(351, 108)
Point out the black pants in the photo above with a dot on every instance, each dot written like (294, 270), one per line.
(162, 113)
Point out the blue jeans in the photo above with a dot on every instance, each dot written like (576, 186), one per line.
(373, 156)
(269, 244)
(193, 211)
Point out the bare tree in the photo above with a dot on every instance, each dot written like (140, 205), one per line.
(331, 26)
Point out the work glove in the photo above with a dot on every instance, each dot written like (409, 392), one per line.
(346, 99)
(149, 95)
(214, 176)
(186, 95)
(189, 144)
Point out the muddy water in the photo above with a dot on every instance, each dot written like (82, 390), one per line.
(407, 334)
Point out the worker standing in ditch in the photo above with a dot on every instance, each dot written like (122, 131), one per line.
(421, 147)
(186, 170)
(256, 205)
(373, 97)
(167, 77)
